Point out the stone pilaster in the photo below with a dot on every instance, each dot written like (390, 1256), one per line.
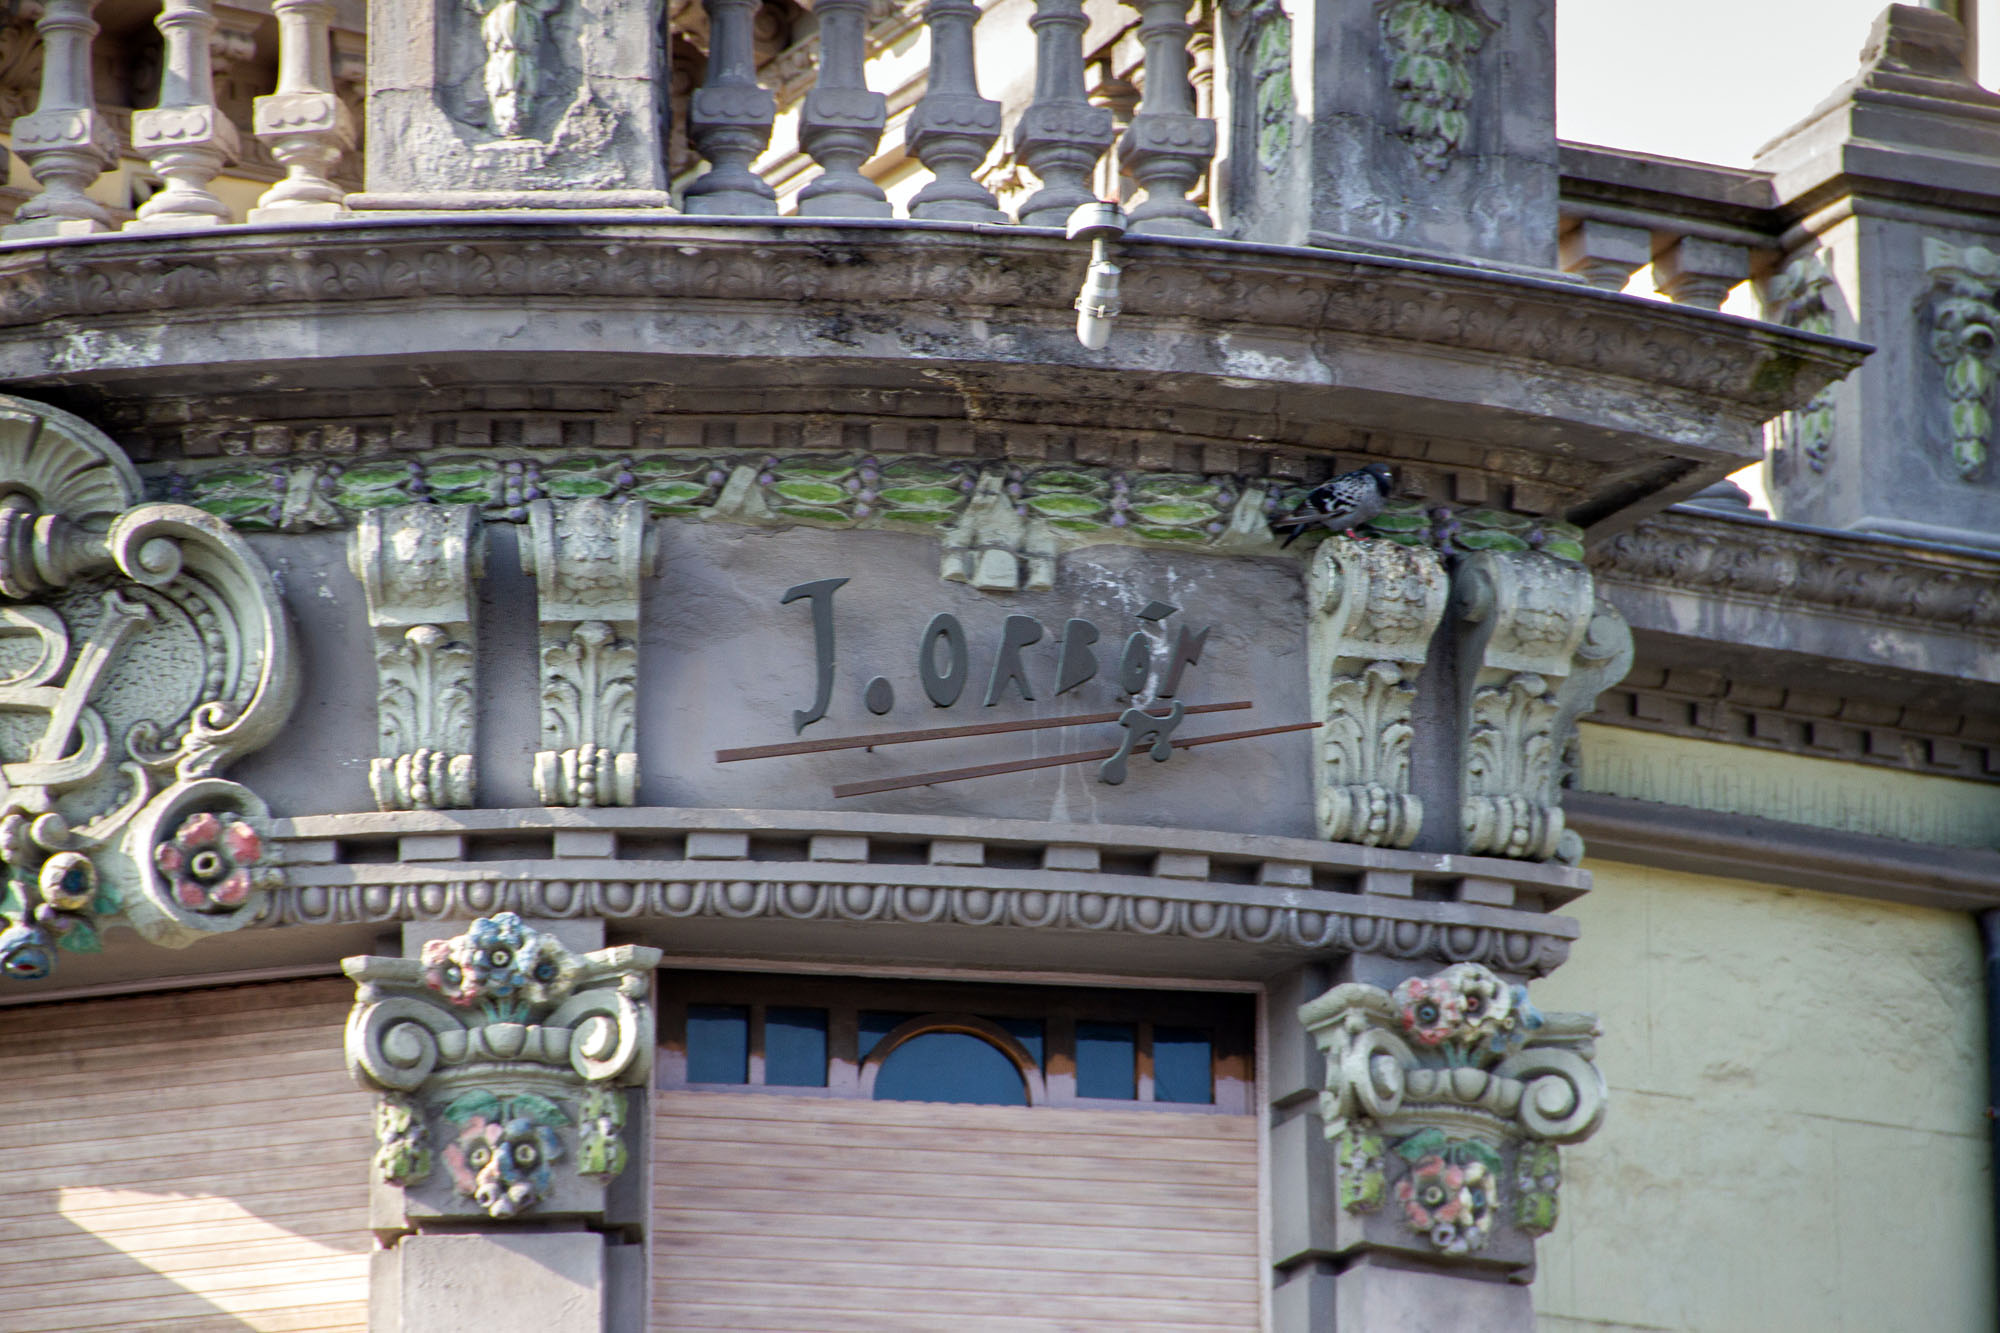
(1417, 125)
(509, 1067)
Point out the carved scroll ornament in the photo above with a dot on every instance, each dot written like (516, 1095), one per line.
(1374, 606)
(417, 565)
(1522, 618)
(1456, 1089)
(1965, 340)
(142, 649)
(587, 558)
(504, 1056)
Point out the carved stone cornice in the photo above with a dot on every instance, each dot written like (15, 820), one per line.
(504, 1057)
(417, 565)
(158, 654)
(1455, 1086)
(1781, 568)
(743, 872)
(1373, 607)
(1494, 346)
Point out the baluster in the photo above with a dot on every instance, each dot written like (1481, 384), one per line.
(65, 142)
(1061, 135)
(185, 138)
(1167, 147)
(841, 122)
(730, 118)
(953, 127)
(304, 121)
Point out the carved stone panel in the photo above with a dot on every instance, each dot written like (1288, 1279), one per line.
(142, 649)
(417, 565)
(1374, 606)
(588, 557)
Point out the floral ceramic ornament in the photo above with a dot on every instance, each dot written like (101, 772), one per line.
(1451, 1192)
(1462, 1008)
(211, 862)
(504, 1150)
(499, 960)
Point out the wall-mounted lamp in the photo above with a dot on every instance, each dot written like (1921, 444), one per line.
(1100, 223)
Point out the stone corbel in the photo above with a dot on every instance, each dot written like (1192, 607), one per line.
(417, 565)
(1601, 661)
(588, 558)
(1522, 618)
(1373, 608)
(997, 545)
(151, 651)
(505, 1058)
(1445, 1101)
(1965, 341)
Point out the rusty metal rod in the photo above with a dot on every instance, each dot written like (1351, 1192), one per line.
(948, 733)
(1046, 761)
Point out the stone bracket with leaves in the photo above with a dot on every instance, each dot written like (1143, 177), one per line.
(588, 558)
(143, 648)
(1522, 618)
(505, 1057)
(1447, 1097)
(417, 565)
(1373, 606)
(1965, 341)
(1797, 297)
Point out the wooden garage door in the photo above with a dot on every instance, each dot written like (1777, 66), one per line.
(822, 1215)
(193, 1162)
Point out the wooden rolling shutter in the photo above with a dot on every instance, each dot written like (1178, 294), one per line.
(826, 1215)
(194, 1162)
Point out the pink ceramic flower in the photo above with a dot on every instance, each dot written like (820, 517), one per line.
(208, 863)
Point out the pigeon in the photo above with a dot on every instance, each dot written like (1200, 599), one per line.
(1344, 503)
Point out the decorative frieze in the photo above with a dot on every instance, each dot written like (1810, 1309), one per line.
(1374, 606)
(1445, 1099)
(505, 1057)
(588, 558)
(1965, 341)
(417, 565)
(149, 651)
(1522, 618)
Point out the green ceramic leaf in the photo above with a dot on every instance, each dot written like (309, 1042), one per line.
(811, 514)
(80, 938)
(478, 1102)
(235, 508)
(1477, 540)
(1494, 518)
(1159, 534)
(449, 477)
(1064, 506)
(1061, 479)
(823, 469)
(1393, 523)
(811, 492)
(918, 470)
(107, 900)
(1175, 511)
(538, 1109)
(1564, 550)
(12, 903)
(671, 492)
(1177, 488)
(576, 487)
(1423, 1143)
(923, 497)
(370, 476)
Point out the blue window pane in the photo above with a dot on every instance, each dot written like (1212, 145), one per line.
(1182, 1060)
(718, 1043)
(950, 1067)
(1027, 1031)
(876, 1025)
(1107, 1060)
(795, 1047)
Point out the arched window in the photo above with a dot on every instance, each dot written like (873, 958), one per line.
(952, 1058)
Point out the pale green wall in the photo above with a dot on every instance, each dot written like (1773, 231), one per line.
(1796, 1138)
(1739, 779)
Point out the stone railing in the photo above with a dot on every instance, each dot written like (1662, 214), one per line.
(518, 113)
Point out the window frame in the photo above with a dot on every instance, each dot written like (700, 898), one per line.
(970, 1007)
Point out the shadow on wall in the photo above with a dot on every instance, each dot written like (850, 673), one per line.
(185, 1163)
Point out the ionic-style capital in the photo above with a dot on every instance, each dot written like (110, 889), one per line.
(503, 1056)
(1445, 1101)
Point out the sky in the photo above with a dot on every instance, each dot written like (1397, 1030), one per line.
(1711, 79)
